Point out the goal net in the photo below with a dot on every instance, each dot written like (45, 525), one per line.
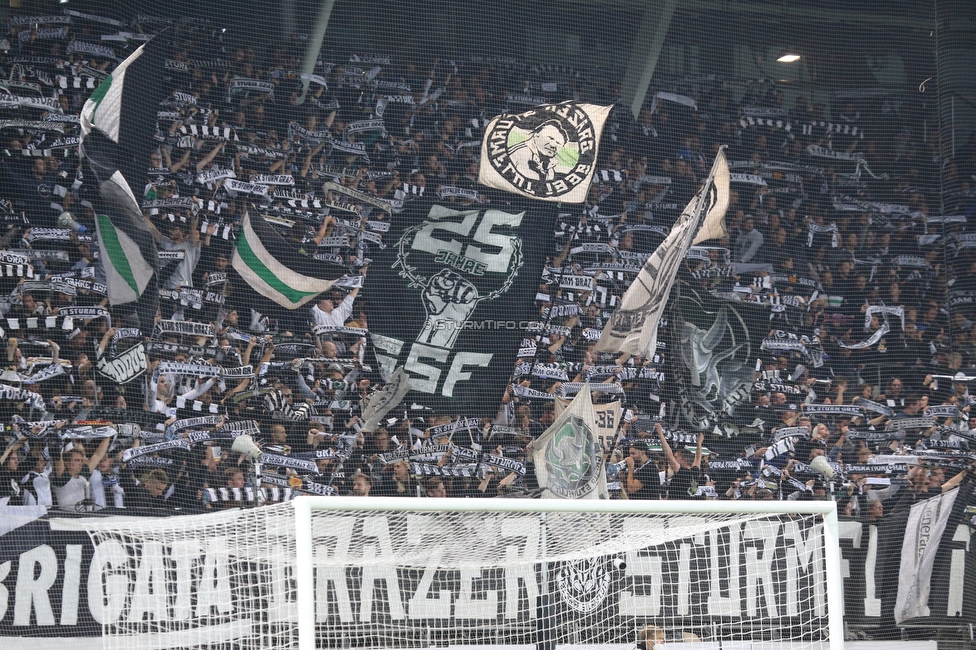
(409, 573)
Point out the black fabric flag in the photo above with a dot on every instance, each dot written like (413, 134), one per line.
(462, 282)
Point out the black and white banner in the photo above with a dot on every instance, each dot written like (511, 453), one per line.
(766, 570)
(465, 281)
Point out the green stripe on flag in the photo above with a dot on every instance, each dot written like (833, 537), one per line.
(99, 94)
(253, 262)
(115, 252)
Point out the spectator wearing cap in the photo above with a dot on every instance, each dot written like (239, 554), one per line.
(789, 415)
(642, 480)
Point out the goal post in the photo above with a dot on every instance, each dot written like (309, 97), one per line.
(757, 575)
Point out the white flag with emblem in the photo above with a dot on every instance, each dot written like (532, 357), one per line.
(569, 462)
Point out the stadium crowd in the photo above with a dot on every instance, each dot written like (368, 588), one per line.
(847, 236)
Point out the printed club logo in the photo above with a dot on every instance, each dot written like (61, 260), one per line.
(584, 584)
(545, 153)
(572, 462)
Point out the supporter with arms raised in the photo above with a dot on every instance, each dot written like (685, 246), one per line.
(72, 470)
(685, 474)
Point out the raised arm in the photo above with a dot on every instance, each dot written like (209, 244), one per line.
(672, 461)
(698, 450)
(99, 454)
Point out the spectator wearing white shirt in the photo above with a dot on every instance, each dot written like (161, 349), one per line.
(326, 313)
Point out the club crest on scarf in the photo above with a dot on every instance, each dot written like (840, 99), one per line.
(572, 463)
(547, 153)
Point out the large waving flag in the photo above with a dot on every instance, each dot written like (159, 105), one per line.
(569, 462)
(273, 268)
(633, 326)
(118, 123)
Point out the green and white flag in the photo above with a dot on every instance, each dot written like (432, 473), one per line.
(127, 272)
(117, 126)
(269, 266)
(569, 462)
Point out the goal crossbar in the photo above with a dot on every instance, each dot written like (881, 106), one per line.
(304, 548)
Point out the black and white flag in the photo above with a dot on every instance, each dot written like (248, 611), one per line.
(633, 326)
(926, 523)
(547, 153)
(465, 281)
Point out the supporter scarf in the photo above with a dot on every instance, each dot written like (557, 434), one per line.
(150, 461)
(823, 152)
(157, 348)
(779, 448)
(449, 191)
(87, 433)
(747, 121)
(365, 125)
(567, 389)
(28, 125)
(764, 112)
(817, 229)
(50, 372)
(878, 309)
(188, 423)
(193, 369)
(832, 409)
(546, 371)
(911, 423)
(831, 127)
(19, 21)
(93, 18)
(45, 33)
(501, 462)
(274, 179)
(943, 411)
(214, 174)
(183, 328)
(457, 471)
(734, 465)
(531, 393)
(884, 329)
(464, 424)
(799, 168)
(92, 49)
(209, 132)
(362, 197)
(240, 83)
(145, 450)
(874, 407)
(791, 432)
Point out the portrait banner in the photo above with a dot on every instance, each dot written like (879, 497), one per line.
(547, 153)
